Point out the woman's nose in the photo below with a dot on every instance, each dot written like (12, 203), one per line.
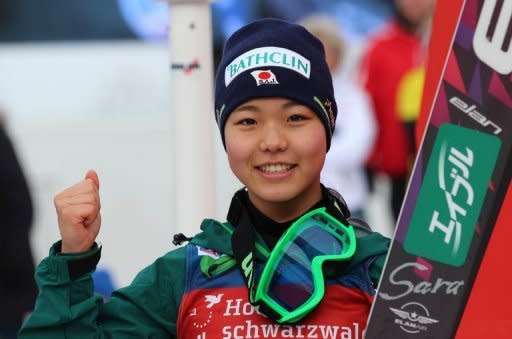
(273, 139)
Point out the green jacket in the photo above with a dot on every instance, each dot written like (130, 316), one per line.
(149, 307)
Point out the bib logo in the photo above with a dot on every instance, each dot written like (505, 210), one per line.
(265, 57)
(413, 317)
(210, 300)
(489, 49)
(264, 77)
(451, 196)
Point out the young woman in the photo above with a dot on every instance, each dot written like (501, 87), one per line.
(287, 263)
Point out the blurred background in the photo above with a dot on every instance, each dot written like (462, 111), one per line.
(85, 84)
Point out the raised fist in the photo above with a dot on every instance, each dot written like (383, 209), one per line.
(78, 212)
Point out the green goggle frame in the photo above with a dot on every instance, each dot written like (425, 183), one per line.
(300, 247)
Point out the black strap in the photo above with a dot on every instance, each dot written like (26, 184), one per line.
(339, 209)
(243, 242)
(337, 206)
(243, 238)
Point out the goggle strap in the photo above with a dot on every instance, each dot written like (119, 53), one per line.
(236, 208)
(337, 206)
(243, 242)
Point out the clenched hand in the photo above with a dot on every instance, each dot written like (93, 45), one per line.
(78, 212)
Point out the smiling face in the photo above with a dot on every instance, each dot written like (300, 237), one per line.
(276, 147)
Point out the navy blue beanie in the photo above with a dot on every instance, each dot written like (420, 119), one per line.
(274, 58)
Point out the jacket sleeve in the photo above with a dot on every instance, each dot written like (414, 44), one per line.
(68, 308)
(374, 247)
(376, 269)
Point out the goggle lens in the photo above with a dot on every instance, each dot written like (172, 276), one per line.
(292, 282)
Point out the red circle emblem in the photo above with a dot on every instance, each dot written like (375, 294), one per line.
(264, 75)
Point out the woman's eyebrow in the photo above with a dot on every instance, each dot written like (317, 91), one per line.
(256, 108)
(291, 104)
(248, 107)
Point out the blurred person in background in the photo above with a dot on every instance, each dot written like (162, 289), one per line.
(355, 129)
(18, 289)
(409, 95)
(390, 54)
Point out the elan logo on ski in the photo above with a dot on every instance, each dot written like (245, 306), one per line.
(452, 194)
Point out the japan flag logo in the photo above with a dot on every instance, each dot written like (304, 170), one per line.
(264, 77)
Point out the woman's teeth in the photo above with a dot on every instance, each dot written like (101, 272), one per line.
(275, 168)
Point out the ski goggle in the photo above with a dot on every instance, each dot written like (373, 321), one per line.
(292, 282)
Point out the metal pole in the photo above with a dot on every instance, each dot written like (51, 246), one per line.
(191, 56)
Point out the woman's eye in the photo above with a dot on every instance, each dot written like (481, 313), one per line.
(247, 122)
(296, 118)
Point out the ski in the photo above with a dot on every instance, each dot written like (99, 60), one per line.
(460, 178)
